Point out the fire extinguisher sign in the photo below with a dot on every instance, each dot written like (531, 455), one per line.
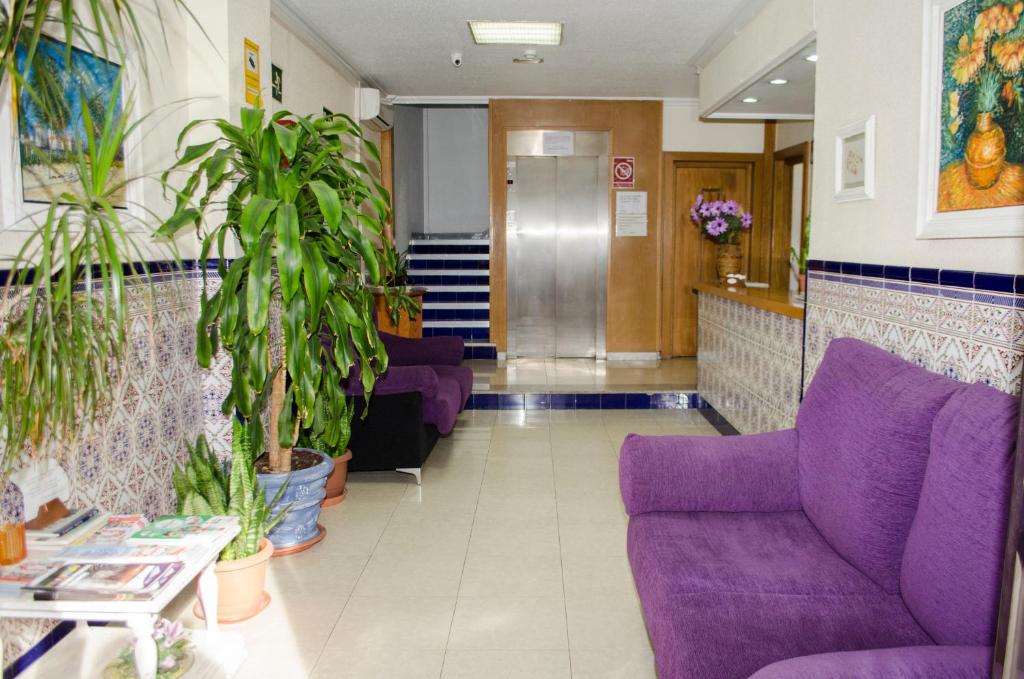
(622, 172)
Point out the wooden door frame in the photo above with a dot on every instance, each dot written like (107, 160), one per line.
(670, 160)
(387, 175)
(784, 159)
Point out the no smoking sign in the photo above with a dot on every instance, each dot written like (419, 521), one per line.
(622, 172)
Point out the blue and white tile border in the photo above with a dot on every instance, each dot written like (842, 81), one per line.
(658, 400)
(963, 324)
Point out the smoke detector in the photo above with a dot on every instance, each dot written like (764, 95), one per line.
(529, 57)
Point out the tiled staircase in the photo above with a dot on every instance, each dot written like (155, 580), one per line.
(456, 272)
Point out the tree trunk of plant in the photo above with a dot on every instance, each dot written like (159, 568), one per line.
(280, 458)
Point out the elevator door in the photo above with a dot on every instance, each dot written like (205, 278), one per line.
(557, 250)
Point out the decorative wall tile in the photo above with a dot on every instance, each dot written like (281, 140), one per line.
(969, 334)
(748, 364)
(122, 462)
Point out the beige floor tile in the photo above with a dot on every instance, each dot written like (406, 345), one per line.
(446, 531)
(509, 623)
(613, 664)
(387, 622)
(498, 537)
(609, 622)
(412, 570)
(597, 576)
(506, 665)
(376, 663)
(511, 575)
(592, 539)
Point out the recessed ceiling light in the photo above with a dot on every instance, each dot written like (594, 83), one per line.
(778, 81)
(516, 32)
(749, 100)
(813, 58)
(529, 57)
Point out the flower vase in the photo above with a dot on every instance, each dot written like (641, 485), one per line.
(985, 153)
(730, 260)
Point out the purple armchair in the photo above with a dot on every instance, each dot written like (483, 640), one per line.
(877, 523)
(416, 400)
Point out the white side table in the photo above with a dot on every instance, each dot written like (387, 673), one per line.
(139, 616)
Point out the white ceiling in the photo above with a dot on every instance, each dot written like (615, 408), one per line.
(793, 101)
(611, 48)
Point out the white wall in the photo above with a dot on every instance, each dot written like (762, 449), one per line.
(792, 132)
(310, 82)
(455, 162)
(862, 70)
(683, 130)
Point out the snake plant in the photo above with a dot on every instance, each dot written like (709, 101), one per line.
(206, 486)
(296, 204)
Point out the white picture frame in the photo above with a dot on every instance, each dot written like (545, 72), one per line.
(855, 161)
(998, 222)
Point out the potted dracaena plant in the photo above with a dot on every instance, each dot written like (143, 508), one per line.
(205, 485)
(296, 205)
(65, 304)
(338, 417)
(398, 304)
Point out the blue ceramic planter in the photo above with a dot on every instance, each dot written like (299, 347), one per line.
(304, 493)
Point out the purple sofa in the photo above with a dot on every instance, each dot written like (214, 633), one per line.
(865, 542)
(416, 400)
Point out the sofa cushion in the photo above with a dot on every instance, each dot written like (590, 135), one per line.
(910, 662)
(864, 429)
(462, 375)
(953, 561)
(443, 408)
(725, 594)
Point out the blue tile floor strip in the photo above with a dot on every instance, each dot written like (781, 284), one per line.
(666, 400)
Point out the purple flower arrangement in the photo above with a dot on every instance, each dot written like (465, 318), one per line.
(720, 220)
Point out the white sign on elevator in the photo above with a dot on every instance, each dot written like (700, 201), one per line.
(557, 144)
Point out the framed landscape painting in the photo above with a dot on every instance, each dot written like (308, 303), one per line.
(46, 144)
(972, 160)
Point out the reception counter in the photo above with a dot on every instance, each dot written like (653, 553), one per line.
(749, 351)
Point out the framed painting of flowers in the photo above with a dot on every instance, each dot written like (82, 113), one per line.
(972, 159)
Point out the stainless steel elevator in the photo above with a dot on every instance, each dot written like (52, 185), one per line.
(557, 243)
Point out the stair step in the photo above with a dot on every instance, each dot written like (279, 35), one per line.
(435, 255)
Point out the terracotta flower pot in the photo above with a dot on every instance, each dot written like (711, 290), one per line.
(985, 153)
(730, 260)
(240, 584)
(336, 481)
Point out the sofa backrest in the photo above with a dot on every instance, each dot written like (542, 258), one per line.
(953, 561)
(864, 430)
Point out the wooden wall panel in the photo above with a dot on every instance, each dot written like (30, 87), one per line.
(634, 264)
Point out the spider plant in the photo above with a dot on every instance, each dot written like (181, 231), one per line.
(64, 305)
(298, 205)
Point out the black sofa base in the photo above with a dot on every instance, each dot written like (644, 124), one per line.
(392, 436)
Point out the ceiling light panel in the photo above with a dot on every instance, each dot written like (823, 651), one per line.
(516, 32)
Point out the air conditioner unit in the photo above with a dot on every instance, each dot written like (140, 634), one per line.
(371, 113)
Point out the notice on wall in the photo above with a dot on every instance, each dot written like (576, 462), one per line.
(622, 172)
(276, 82)
(252, 73)
(630, 213)
(557, 143)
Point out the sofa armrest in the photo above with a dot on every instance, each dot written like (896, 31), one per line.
(962, 662)
(404, 351)
(754, 473)
(399, 380)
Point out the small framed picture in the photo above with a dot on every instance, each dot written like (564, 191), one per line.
(855, 161)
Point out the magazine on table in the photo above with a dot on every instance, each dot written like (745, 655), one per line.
(186, 529)
(13, 578)
(76, 533)
(105, 580)
(63, 525)
(117, 529)
(131, 553)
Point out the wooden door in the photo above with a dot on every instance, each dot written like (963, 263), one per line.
(691, 257)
